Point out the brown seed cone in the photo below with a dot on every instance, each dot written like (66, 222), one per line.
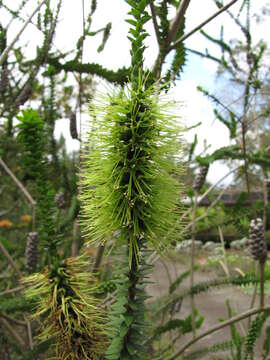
(267, 185)
(257, 243)
(31, 255)
(4, 81)
(24, 96)
(73, 126)
(200, 178)
(60, 200)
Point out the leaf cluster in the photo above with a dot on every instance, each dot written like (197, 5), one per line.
(128, 326)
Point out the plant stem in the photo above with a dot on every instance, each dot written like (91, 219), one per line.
(254, 294)
(12, 332)
(226, 268)
(262, 284)
(154, 18)
(198, 27)
(29, 333)
(10, 46)
(244, 151)
(4, 251)
(10, 291)
(18, 183)
(99, 257)
(15, 321)
(74, 245)
(192, 255)
(178, 20)
(218, 327)
(164, 49)
(133, 278)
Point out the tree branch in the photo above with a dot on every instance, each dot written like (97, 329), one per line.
(10, 46)
(120, 76)
(218, 327)
(4, 251)
(154, 18)
(15, 321)
(12, 332)
(184, 37)
(13, 290)
(165, 47)
(178, 20)
(18, 183)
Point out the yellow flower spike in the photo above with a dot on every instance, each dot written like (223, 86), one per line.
(70, 310)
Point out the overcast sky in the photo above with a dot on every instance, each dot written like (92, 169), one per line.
(195, 107)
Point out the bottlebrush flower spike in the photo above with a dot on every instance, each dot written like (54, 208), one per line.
(71, 315)
(127, 183)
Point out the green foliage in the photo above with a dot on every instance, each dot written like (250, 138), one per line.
(72, 214)
(162, 11)
(127, 327)
(137, 35)
(230, 124)
(40, 348)
(266, 344)
(180, 279)
(31, 131)
(192, 147)
(93, 6)
(239, 215)
(130, 194)
(183, 326)
(118, 77)
(254, 332)
(214, 349)
(237, 340)
(171, 301)
(18, 303)
(31, 136)
(179, 58)
(106, 34)
(226, 152)
(233, 152)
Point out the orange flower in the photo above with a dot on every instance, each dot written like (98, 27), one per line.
(26, 218)
(5, 223)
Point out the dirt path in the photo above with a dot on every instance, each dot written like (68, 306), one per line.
(211, 305)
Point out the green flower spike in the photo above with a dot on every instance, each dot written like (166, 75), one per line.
(70, 314)
(127, 184)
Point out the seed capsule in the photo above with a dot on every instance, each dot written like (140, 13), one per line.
(73, 126)
(257, 243)
(24, 96)
(267, 185)
(59, 200)
(4, 81)
(31, 252)
(200, 178)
